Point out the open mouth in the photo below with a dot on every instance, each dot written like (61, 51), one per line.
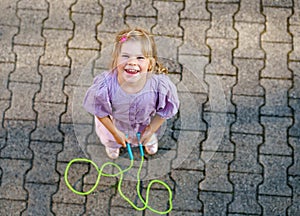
(131, 71)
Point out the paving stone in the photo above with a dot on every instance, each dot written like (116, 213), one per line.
(245, 197)
(246, 148)
(48, 122)
(215, 203)
(295, 54)
(80, 67)
(221, 57)
(141, 8)
(142, 22)
(276, 136)
(186, 190)
(275, 176)
(167, 18)
(71, 146)
(33, 4)
(222, 20)
(167, 47)
(8, 13)
(294, 209)
(218, 132)
(223, 1)
(195, 10)
(87, 6)
(220, 93)
(295, 168)
(4, 104)
(43, 168)
(295, 91)
(124, 211)
(277, 61)
(39, 199)
(158, 200)
(250, 11)
(276, 24)
(273, 205)
(248, 85)
(59, 15)
(277, 3)
(30, 27)
(12, 179)
(98, 202)
(193, 71)
(194, 37)
(52, 84)
(190, 110)
(64, 194)
(112, 20)
(295, 129)
(85, 35)
(6, 68)
(67, 116)
(55, 51)
(295, 19)
(249, 40)
(216, 168)
(18, 138)
(186, 213)
(276, 98)
(27, 64)
(247, 111)
(12, 206)
(6, 37)
(103, 62)
(193, 161)
(72, 209)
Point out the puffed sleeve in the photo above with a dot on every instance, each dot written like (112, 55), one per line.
(167, 101)
(97, 99)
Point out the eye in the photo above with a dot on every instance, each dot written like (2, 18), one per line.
(124, 56)
(141, 57)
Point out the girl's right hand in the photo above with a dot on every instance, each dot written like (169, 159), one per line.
(120, 138)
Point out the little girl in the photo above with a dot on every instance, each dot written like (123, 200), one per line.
(134, 96)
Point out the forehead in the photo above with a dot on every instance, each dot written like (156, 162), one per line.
(132, 47)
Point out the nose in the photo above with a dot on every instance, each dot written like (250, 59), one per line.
(132, 61)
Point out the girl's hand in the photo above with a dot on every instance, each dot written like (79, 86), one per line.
(120, 138)
(146, 134)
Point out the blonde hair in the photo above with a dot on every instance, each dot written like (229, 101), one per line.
(148, 48)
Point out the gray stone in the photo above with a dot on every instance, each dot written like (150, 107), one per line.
(215, 203)
(59, 15)
(39, 199)
(275, 176)
(246, 147)
(186, 190)
(222, 21)
(248, 85)
(276, 102)
(245, 199)
(250, 11)
(167, 18)
(43, 167)
(275, 136)
(276, 28)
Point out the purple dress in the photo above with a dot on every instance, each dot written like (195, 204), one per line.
(130, 113)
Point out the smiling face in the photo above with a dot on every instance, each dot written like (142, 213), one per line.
(132, 65)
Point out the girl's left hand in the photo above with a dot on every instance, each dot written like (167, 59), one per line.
(146, 134)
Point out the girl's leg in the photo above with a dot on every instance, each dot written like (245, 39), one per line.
(111, 147)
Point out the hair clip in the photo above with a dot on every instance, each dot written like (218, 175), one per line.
(123, 39)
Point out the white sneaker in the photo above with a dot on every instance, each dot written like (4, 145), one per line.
(112, 153)
(152, 146)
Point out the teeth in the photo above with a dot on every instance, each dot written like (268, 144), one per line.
(131, 71)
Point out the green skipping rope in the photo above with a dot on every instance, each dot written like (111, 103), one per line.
(120, 173)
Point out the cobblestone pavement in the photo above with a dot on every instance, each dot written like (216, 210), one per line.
(237, 60)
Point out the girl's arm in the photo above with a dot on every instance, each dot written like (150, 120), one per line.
(155, 124)
(118, 135)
